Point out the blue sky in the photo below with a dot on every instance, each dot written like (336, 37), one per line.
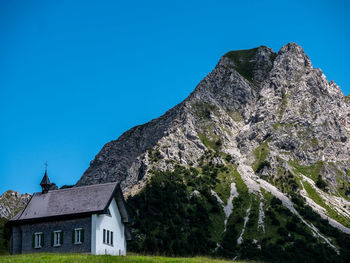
(75, 75)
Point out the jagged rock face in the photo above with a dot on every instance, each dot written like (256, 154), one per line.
(252, 98)
(176, 132)
(297, 105)
(11, 202)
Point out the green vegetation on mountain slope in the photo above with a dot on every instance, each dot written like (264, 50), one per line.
(314, 173)
(176, 214)
(4, 237)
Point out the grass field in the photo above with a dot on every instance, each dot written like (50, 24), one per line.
(79, 258)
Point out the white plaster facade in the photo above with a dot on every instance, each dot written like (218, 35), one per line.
(111, 223)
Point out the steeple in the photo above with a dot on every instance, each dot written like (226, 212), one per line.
(45, 182)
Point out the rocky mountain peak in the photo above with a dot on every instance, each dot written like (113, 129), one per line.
(273, 117)
(292, 62)
(253, 64)
(294, 51)
(280, 96)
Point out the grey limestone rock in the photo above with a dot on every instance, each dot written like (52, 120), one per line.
(251, 97)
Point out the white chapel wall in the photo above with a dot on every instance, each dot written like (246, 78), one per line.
(111, 223)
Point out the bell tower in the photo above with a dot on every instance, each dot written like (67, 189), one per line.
(45, 182)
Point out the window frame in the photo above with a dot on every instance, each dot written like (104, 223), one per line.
(78, 235)
(107, 237)
(37, 239)
(57, 237)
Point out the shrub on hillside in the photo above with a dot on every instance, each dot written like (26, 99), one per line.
(321, 183)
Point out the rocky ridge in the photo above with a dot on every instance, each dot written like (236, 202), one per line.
(285, 101)
(11, 202)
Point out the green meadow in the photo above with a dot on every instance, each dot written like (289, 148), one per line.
(80, 258)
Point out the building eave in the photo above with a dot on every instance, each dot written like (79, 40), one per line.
(52, 218)
(121, 204)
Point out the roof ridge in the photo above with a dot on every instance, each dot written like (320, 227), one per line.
(84, 186)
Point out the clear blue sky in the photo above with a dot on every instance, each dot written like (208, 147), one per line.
(77, 74)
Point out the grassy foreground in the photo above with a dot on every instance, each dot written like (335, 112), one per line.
(79, 258)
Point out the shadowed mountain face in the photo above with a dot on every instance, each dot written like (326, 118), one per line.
(270, 127)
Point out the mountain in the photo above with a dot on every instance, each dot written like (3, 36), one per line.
(11, 202)
(253, 164)
(266, 136)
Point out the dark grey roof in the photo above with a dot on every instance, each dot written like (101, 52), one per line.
(73, 201)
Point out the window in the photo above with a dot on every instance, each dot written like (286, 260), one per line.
(108, 237)
(57, 238)
(38, 240)
(78, 236)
